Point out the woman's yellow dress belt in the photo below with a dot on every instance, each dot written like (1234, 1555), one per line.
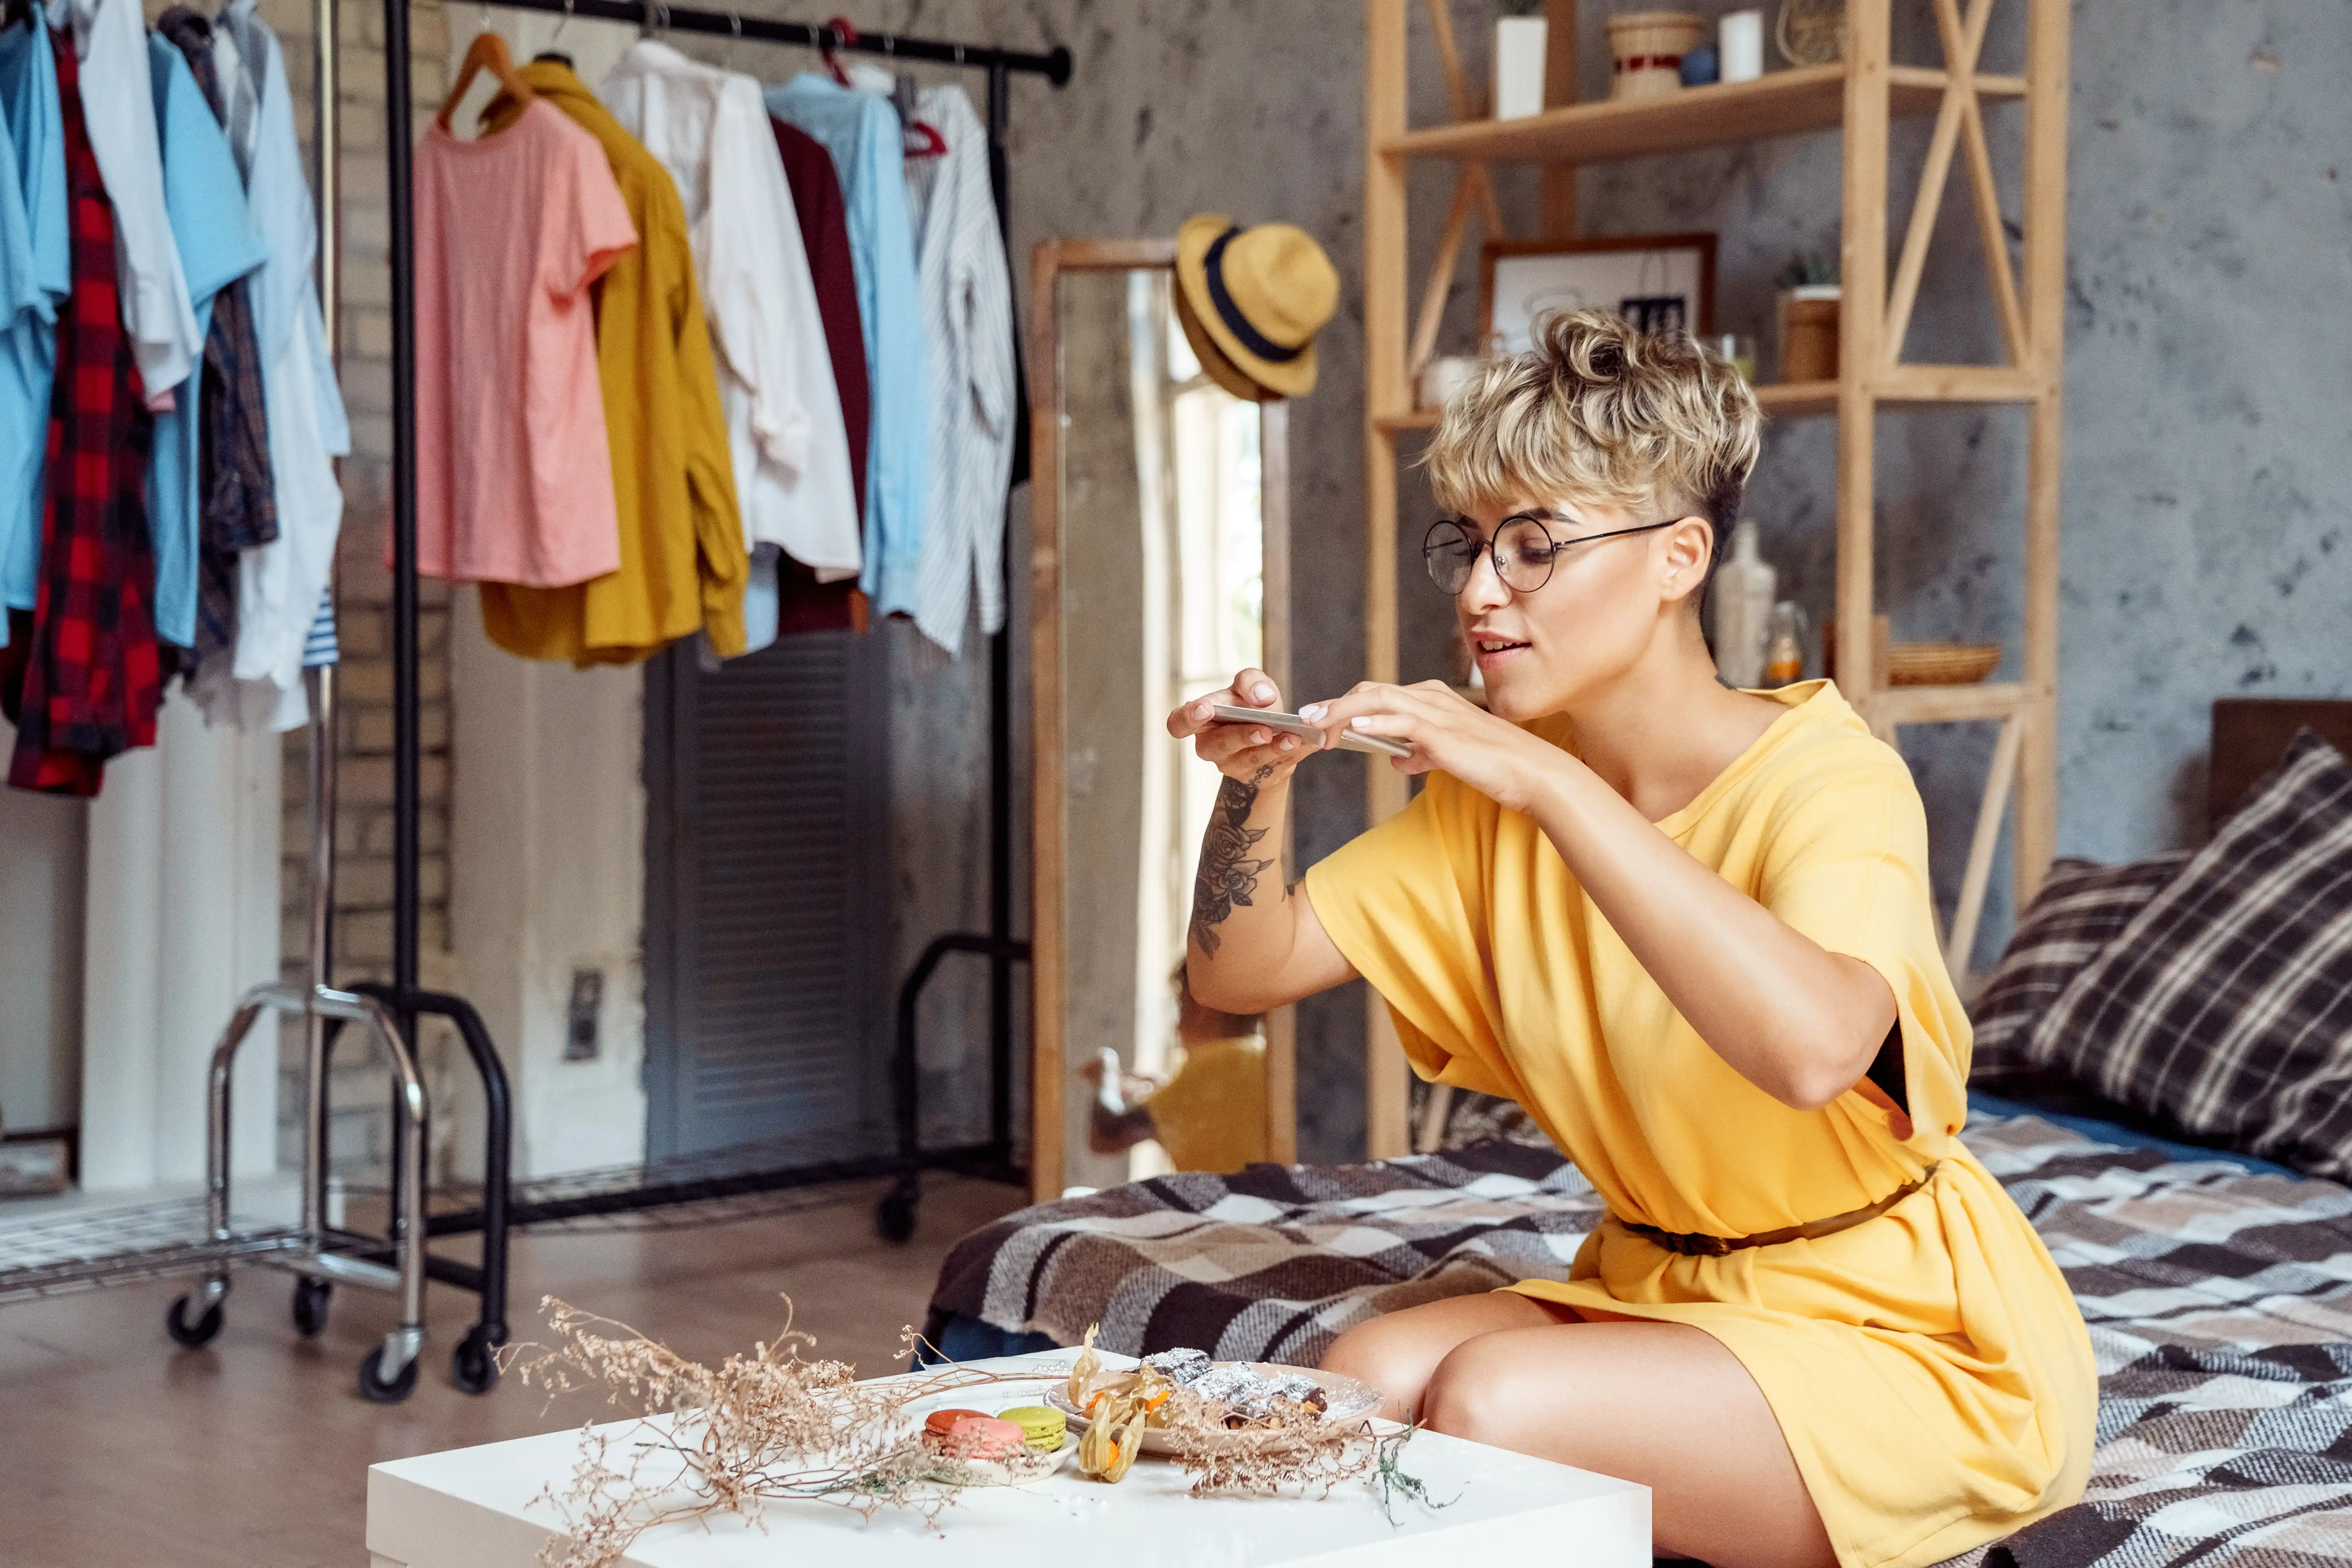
(1691, 1243)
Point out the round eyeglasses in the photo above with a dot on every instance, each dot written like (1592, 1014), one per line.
(1524, 551)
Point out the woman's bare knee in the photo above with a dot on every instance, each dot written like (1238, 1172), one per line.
(1467, 1391)
(1397, 1352)
(1385, 1352)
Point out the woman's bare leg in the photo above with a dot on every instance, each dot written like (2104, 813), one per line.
(1398, 1352)
(1661, 1404)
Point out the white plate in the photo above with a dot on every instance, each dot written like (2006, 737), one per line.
(989, 1401)
(988, 1473)
(1349, 1402)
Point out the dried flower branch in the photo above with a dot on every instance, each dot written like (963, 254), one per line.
(766, 1427)
(776, 1426)
(1291, 1447)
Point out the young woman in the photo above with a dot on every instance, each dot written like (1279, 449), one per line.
(1688, 927)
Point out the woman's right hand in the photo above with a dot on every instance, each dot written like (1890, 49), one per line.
(1251, 754)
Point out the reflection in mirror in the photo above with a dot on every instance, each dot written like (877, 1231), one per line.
(1162, 598)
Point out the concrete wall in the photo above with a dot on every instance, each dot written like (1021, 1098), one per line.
(1257, 111)
(2210, 250)
(2204, 554)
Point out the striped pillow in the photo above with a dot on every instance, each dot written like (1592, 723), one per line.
(2225, 1003)
(2081, 908)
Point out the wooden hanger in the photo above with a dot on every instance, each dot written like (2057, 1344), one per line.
(486, 52)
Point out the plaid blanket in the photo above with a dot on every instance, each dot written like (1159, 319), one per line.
(2219, 1304)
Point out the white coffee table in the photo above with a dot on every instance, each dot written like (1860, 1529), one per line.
(471, 1507)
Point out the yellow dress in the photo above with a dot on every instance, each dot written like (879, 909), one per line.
(1930, 1367)
(1210, 1116)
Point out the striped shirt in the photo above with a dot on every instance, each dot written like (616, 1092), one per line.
(318, 646)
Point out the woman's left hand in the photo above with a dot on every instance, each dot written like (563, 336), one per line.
(1447, 732)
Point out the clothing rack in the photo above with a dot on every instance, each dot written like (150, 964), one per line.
(403, 1000)
(202, 1237)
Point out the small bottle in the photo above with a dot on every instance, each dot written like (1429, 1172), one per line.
(1784, 661)
(1744, 586)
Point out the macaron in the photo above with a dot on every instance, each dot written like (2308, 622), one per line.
(985, 1437)
(1042, 1426)
(939, 1423)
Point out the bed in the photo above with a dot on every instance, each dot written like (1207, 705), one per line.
(2217, 1281)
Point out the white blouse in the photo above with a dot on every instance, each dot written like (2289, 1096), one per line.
(280, 585)
(118, 107)
(709, 129)
(959, 270)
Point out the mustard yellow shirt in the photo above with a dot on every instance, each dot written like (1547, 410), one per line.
(1930, 1367)
(1210, 1116)
(683, 564)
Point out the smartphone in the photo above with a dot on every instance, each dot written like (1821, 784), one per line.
(1348, 738)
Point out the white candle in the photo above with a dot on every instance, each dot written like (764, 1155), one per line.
(1519, 43)
(1739, 46)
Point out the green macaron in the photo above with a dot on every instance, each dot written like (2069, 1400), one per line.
(1042, 1426)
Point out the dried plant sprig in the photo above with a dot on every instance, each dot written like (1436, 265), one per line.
(776, 1425)
(1292, 1447)
(1391, 1480)
(756, 1428)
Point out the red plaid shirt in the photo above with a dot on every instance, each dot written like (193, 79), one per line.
(91, 672)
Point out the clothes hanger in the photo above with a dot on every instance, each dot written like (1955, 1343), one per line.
(552, 54)
(656, 20)
(486, 52)
(922, 138)
(734, 36)
(842, 34)
(924, 141)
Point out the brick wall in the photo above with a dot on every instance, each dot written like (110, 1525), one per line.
(364, 821)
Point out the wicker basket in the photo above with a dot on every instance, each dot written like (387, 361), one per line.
(1941, 663)
(1647, 49)
(1809, 333)
(1916, 663)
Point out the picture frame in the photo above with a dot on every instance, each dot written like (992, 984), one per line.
(1658, 279)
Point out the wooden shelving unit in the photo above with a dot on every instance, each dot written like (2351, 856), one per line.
(1859, 97)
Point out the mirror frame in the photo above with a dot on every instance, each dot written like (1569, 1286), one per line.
(1049, 1064)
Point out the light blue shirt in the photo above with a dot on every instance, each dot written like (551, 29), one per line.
(36, 280)
(218, 244)
(861, 132)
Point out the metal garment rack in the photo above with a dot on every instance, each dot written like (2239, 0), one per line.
(82, 1251)
(677, 1182)
(99, 1247)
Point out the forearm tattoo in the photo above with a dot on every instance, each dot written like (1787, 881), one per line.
(1228, 876)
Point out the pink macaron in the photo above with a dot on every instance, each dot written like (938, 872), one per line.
(986, 1437)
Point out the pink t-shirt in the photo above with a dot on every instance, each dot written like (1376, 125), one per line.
(514, 477)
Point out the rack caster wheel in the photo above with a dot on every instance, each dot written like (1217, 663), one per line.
(473, 1364)
(187, 1335)
(378, 1391)
(310, 1299)
(894, 1216)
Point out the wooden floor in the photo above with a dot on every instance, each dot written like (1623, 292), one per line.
(117, 1449)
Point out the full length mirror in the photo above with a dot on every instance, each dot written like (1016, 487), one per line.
(1160, 553)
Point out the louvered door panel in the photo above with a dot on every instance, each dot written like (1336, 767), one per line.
(764, 938)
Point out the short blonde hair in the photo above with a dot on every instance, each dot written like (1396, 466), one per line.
(1600, 411)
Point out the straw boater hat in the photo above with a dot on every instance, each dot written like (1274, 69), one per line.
(1251, 302)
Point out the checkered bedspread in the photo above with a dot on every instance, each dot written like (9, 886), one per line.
(2219, 1304)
